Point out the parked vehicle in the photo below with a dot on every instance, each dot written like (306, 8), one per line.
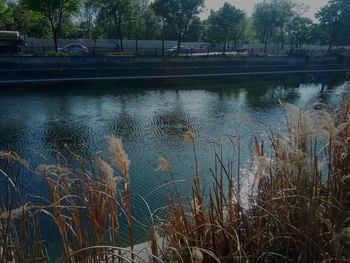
(341, 51)
(74, 48)
(10, 42)
(183, 49)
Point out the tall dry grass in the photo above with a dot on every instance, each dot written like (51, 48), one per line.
(84, 203)
(296, 208)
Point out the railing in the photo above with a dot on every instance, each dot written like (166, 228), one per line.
(208, 51)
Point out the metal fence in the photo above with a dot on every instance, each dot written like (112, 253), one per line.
(206, 51)
(154, 47)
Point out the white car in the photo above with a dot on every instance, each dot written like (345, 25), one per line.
(74, 48)
(183, 49)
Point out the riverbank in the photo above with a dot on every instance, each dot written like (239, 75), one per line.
(46, 70)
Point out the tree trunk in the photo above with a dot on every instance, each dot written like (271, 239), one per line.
(179, 40)
(137, 39)
(129, 29)
(120, 34)
(265, 47)
(330, 46)
(282, 39)
(180, 35)
(162, 39)
(225, 43)
(54, 34)
(331, 39)
(55, 39)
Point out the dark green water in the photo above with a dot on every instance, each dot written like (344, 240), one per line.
(152, 122)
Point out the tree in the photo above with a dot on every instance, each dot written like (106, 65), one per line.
(194, 31)
(54, 11)
(5, 17)
(299, 30)
(2, 9)
(119, 11)
(335, 21)
(265, 22)
(151, 30)
(284, 13)
(27, 22)
(248, 34)
(227, 24)
(140, 9)
(104, 25)
(317, 35)
(179, 14)
(87, 18)
(272, 18)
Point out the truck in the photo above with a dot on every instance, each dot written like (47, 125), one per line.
(10, 42)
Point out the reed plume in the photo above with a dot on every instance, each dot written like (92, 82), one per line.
(164, 165)
(121, 161)
(119, 157)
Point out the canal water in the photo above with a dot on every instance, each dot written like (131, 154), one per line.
(152, 122)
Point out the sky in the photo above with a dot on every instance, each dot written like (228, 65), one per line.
(248, 5)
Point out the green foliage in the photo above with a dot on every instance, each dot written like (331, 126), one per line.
(119, 11)
(2, 6)
(299, 30)
(284, 12)
(335, 21)
(87, 19)
(151, 29)
(54, 11)
(317, 35)
(195, 30)
(27, 22)
(178, 13)
(51, 7)
(227, 24)
(274, 19)
(265, 21)
(5, 17)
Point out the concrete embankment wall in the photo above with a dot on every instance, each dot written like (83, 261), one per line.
(17, 62)
(23, 62)
(18, 69)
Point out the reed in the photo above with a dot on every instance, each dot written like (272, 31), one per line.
(84, 202)
(296, 208)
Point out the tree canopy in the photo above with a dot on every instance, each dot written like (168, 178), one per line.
(265, 21)
(55, 11)
(227, 24)
(178, 13)
(118, 11)
(299, 30)
(335, 21)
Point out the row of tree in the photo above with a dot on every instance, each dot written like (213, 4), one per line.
(273, 21)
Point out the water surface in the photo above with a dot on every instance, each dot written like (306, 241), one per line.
(152, 122)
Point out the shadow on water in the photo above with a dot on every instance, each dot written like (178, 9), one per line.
(97, 88)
